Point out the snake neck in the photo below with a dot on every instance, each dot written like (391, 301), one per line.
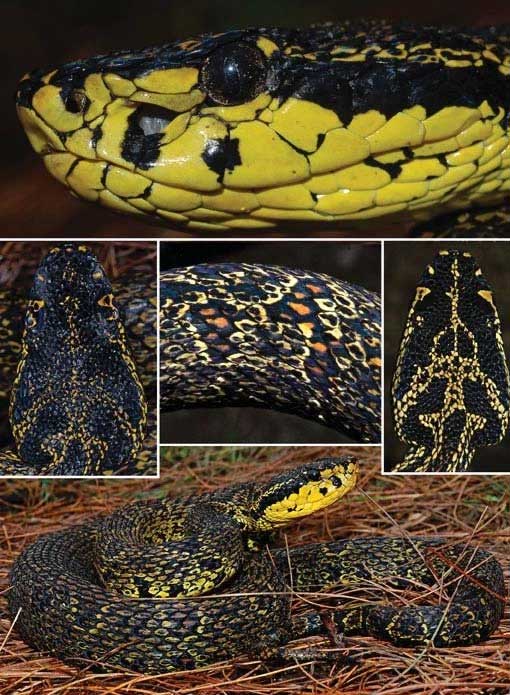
(445, 459)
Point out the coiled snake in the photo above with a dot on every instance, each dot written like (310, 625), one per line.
(250, 129)
(77, 404)
(267, 336)
(177, 584)
(451, 387)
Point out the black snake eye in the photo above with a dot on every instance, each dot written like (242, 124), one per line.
(76, 101)
(234, 73)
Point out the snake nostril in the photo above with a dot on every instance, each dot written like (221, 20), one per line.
(153, 119)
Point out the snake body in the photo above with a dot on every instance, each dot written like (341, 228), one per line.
(177, 584)
(252, 128)
(77, 404)
(274, 337)
(451, 387)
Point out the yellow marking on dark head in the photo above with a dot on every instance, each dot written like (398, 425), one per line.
(487, 295)
(422, 292)
(97, 275)
(314, 495)
(430, 270)
(444, 253)
(107, 301)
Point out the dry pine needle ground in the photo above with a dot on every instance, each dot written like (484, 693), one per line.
(475, 508)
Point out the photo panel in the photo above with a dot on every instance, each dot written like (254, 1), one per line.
(78, 390)
(270, 342)
(446, 338)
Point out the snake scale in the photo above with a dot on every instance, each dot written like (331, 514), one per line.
(131, 590)
(451, 386)
(249, 129)
(70, 370)
(268, 336)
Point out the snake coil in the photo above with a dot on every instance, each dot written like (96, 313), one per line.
(165, 584)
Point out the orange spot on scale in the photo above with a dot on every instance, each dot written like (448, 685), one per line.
(315, 289)
(319, 347)
(300, 309)
(207, 312)
(317, 370)
(375, 361)
(220, 322)
(299, 295)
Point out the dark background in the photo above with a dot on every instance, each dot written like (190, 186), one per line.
(358, 263)
(404, 264)
(37, 34)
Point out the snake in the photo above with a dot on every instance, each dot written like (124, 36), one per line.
(286, 339)
(175, 584)
(70, 378)
(346, 123)
(451, 388)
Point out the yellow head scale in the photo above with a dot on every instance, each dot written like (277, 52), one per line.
(313, 487)
(248, 128)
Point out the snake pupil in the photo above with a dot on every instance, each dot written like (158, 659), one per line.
(234, 73)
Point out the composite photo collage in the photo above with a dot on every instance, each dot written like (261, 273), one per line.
(254, 349)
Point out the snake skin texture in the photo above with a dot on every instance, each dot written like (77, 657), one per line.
(77, 405)
(451, 389)
(267, 336)
(248, 129)
(234, 595)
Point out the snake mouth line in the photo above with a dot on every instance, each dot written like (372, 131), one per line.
(251, 129)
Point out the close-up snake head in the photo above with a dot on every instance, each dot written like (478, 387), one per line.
(70, 293)
(451, 387)
(296, 494)
(249, 128)
(77, 404)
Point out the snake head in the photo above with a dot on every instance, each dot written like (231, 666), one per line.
(249, 127)
(302, 491)
(77, 404)
(451, 387)
(70, 292)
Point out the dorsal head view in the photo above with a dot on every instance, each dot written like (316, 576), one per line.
(254, 329)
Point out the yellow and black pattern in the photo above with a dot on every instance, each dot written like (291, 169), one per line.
(451, 391)
(248, 129)
(163, 585)
(77, 405)
(274, 337)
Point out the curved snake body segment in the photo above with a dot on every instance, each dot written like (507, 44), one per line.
(250, 128)
(451, 391)
(233, 598)
(268, 336)
(472, 614)
(77, 404)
